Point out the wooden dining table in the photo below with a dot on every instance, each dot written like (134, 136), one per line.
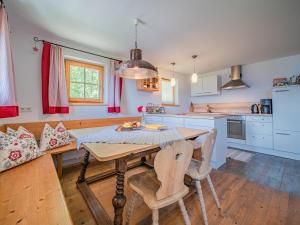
(120, 154)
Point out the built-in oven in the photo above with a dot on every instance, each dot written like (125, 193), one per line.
(236, 128)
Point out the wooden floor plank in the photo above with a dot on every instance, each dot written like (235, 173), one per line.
(246, 199)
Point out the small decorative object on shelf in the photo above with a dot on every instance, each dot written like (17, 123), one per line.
(277, 82)
(151, 84)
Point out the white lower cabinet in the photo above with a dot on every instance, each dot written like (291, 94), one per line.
(173, 121)
(259, 131)
(258, 140)
(287, 141)
(153, 119)
(259, 128)
(220, 150)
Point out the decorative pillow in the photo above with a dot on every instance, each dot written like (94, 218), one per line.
(18, 148)
(11, 132)
(54, 138)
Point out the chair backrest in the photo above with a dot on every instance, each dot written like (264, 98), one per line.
(207, 150)
(171, 164)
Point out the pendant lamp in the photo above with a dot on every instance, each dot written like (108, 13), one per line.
(173, 81)
(136, 68)
(194, 77)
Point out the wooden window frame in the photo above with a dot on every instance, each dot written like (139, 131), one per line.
(174, 97)
(80, 101)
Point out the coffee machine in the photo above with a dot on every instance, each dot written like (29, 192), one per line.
(266, 106)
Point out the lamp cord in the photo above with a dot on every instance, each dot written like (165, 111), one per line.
(136, 24)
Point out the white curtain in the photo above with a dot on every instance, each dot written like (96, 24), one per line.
(58, 98)
(114, 89)
(8, 100)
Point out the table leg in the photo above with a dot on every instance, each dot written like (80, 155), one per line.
(119, 199)
(143, 159)
(84, 165)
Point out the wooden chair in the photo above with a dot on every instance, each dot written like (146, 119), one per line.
(200, 170)
(165, 185)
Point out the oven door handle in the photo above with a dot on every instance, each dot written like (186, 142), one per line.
(235, 121)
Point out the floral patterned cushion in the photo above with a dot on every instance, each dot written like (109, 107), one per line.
(11, 132)
(17, 147)
(54, 138)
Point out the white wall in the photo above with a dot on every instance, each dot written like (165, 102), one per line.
(259, 76)
(28, 82)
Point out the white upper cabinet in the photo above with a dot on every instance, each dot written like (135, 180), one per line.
(206, 85)
(197, 88)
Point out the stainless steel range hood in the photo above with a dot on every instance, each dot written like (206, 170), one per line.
(236, 81)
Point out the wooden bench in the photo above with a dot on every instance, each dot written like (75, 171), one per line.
(37, 127)
(31, 193)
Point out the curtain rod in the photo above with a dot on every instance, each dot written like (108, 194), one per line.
(36, 39)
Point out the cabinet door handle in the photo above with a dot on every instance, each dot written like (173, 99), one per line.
(282, 90)
(283, 133)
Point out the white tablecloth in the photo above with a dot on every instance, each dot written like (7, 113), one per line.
(111, 136)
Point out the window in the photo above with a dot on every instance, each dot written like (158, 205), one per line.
(84, 82)
(168, 93)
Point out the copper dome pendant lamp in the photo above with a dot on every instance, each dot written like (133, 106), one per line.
(136, 68)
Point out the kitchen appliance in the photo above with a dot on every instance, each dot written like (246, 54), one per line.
(235, 79)
(236, 128)
(286, 119)
(266, 106)
(254, 108)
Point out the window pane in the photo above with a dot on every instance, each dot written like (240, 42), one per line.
(76, 74)
(76, 90)
(92, 91)
(91, 76)
(167, 92)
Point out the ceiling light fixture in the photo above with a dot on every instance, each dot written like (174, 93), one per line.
(194, 77)
(173, 81)
(136, 68)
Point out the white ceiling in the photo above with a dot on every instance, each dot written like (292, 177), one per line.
(221, 32)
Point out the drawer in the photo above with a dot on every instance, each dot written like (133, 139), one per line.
(153, 119)
(173, 121)
(198, 123)
(265, 141)
(259, 128)
(287, 141)
(266, 119)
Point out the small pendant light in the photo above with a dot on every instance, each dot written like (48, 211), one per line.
(136, 68)
(194, 77)
(173, 81)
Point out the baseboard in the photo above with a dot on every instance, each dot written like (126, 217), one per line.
(267, 151)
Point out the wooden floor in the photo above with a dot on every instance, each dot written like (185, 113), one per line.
(243, 201)
(276, 172)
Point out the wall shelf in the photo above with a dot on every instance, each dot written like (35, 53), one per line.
(149, 85)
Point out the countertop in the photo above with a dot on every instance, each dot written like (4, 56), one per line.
(210, 116)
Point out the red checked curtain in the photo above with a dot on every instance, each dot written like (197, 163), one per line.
(114, 89)
(54, 89)
(8, 100)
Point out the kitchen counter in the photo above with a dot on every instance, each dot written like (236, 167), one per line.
(203, 121)
(210, 116)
